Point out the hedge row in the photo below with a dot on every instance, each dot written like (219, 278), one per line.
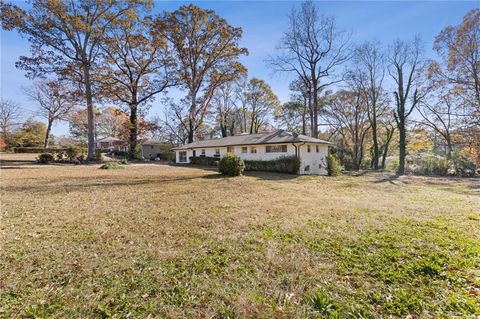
(204, 160)
(38, 150)
(284, 164)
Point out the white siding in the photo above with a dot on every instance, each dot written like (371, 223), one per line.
(316, 161)
(313, 159)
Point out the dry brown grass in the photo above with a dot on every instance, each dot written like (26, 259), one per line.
(164, 241)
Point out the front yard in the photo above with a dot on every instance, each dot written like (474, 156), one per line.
(165, 241)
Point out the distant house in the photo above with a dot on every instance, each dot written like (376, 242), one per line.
(152, 149)
(265, 146)
(110, 143)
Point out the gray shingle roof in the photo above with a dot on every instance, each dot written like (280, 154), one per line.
(276, 137)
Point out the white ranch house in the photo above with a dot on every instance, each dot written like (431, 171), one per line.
(265, 146)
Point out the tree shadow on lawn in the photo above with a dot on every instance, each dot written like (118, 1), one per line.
(390, 179)
(86, 183)
(459, 185)
(15, 163)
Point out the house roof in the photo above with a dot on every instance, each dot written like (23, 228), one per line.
(277, 137)
(109, 139)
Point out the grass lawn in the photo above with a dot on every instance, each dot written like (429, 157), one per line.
(156, 241)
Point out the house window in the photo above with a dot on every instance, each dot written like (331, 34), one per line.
(229, 149)
(217, 152)
(308, 148)
(203, 153)
(182, 157)
(244, 149)
(194, 153)
(317, 148)
(276, 148)
(253, 150)
(307, 168)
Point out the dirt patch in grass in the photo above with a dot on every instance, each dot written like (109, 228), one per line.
(164, 241)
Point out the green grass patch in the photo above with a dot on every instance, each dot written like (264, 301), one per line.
(112, 165)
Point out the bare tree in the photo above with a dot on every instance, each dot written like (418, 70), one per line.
(54, 102)
(439, 114)
(312, 48)
(10, 113)
(347, 114)
(368, 74)
(406, 68)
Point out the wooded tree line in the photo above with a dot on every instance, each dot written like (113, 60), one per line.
(371, 94)
(366, 96)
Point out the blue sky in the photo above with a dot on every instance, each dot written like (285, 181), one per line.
(263, 24)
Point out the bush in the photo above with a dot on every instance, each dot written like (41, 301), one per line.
(284, 164)
(430, 164)
(98, 155)
(60, 156)
(460, 165)
(231, 165)
(334, 167)
(71, 152)
(45, 158)
(111, 165)
(76, 154)
(427, 164)
(203, 160)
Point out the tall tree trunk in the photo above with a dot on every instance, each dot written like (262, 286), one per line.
(376, 151)
(310, 108)
(223, 128)
(191, 118)
(133, 131)
(190, 131)
(402, 147)
(449, 145)
(386, 145)
(252, 124)
(304, 115)
(244, 111)
(315, 111)
(47, 133)
(90, 114)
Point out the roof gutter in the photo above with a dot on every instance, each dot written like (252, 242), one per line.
(297, 150)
